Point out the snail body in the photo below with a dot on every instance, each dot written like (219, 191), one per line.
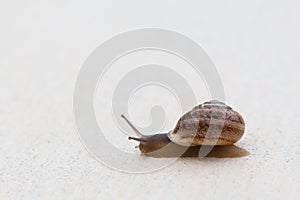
(212, 123)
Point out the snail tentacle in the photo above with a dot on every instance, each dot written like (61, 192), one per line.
(137, 132)
(141, 140)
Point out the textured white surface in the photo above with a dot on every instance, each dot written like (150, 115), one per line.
(254, 44)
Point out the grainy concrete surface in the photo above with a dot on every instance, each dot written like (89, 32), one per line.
(254, 44)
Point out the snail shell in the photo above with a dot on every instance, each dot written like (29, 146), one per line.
(210, 123)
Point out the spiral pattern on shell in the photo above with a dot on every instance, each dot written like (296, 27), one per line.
(226, 125)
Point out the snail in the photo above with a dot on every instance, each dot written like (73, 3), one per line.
(212, 123)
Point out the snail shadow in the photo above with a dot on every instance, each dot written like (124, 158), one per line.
(230, 151)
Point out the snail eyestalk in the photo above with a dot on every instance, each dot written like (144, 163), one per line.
(137, 132)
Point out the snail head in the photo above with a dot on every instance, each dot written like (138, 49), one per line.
(148, 143)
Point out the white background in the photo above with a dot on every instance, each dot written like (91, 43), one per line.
(254, 44)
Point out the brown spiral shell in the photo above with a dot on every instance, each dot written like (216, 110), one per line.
(210, 123)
